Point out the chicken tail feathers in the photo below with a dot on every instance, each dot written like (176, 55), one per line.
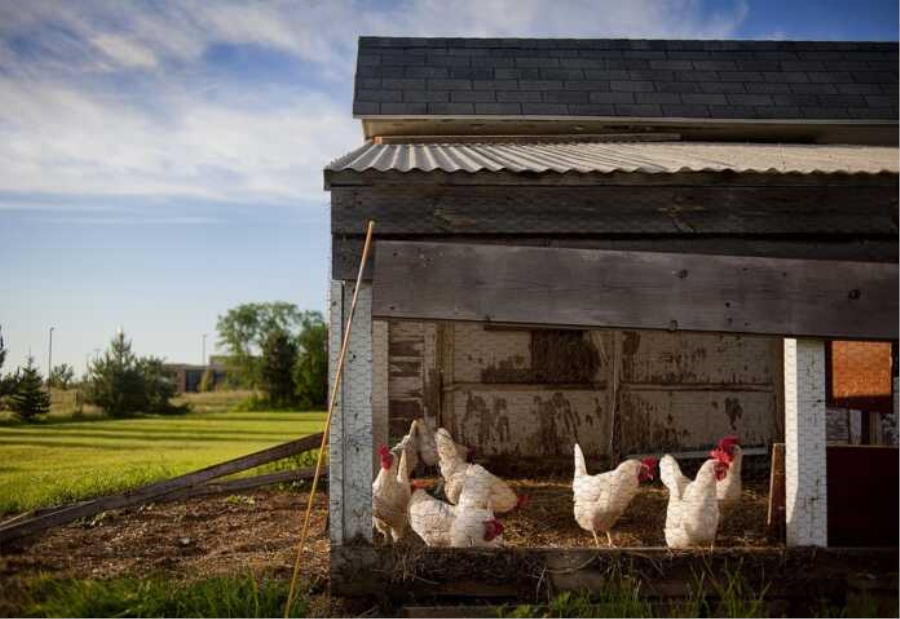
(403, 473)
(446, 448)
(580, 466)
(670, 474)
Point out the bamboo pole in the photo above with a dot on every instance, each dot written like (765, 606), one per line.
(339, 373)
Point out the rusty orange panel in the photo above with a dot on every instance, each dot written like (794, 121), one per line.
(860, 376)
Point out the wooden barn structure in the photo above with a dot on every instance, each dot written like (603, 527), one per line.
(641, 245)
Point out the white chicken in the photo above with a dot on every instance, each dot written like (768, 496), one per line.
(390, 496)
(692, 515)
(487, 487)
(466, 525)
(418, 444)
(728, 490)
(600, 500)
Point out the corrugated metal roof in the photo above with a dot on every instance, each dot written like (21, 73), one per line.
(608, 157)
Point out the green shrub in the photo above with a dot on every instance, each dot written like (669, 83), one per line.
(123, 384)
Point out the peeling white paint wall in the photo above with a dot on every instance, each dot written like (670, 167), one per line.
(672, 390)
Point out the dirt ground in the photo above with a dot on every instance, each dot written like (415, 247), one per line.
(259, 531)
(189, 539)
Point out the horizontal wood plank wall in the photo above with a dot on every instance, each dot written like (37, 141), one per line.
(616, 210)
(592, 288)
(346, 251)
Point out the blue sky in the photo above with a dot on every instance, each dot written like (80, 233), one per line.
(161, 161)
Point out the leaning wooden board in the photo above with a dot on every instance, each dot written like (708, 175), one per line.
(22, 527)
(635, 290)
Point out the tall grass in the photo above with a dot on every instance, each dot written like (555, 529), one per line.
(729, 594)
(219, 596)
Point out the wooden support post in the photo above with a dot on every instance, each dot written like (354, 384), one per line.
(775, 517)
(350, 440)
(806, 507)
(380, 381)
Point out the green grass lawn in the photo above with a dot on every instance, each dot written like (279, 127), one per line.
(60, 462)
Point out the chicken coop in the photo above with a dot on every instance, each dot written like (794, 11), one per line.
(636, 246)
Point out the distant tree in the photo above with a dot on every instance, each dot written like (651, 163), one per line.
(279, 356)
(2, 349)
(62, 376)
(159, 386)
(30, 399)
(207, 381)
(243, 331)
(311, 369)
(9, 383)
(123, 384)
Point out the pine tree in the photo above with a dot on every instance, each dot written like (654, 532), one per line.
(123, 384)
(30, 399)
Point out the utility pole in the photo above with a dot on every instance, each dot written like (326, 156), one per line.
(50, 361)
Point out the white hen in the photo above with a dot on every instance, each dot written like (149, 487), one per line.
(418, 445)
(728, 490)
(487, 487)
(466, 525)
(600, 500)
(390, 496)
(692, 515)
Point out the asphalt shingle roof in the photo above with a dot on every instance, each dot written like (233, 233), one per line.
(626, 78)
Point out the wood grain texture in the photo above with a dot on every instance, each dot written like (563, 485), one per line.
(640, 290)
(616, 210)
(347, 250)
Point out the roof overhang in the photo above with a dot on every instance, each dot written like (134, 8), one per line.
(875, 132)
(602, 161)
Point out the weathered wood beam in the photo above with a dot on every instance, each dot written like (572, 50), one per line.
(242, 484)
(155, 491)
(635, 290)
(616, 210)
(351, 178)
(346, 251)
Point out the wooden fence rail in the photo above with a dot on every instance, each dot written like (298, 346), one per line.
(40, 521)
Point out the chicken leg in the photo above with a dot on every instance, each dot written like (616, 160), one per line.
(609, 540)
(596, 539)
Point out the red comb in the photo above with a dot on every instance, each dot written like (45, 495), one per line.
(498, 526)
(383, 451)
(729, 440)
(650, 461)
(721, 455)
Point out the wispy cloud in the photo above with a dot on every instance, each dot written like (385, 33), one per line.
(102, 98)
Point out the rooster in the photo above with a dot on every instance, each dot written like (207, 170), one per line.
(486, 487)
(601, 499)
(390, 496)
(466, 525)
(418, 445)
(692, 515)
(728, 490)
